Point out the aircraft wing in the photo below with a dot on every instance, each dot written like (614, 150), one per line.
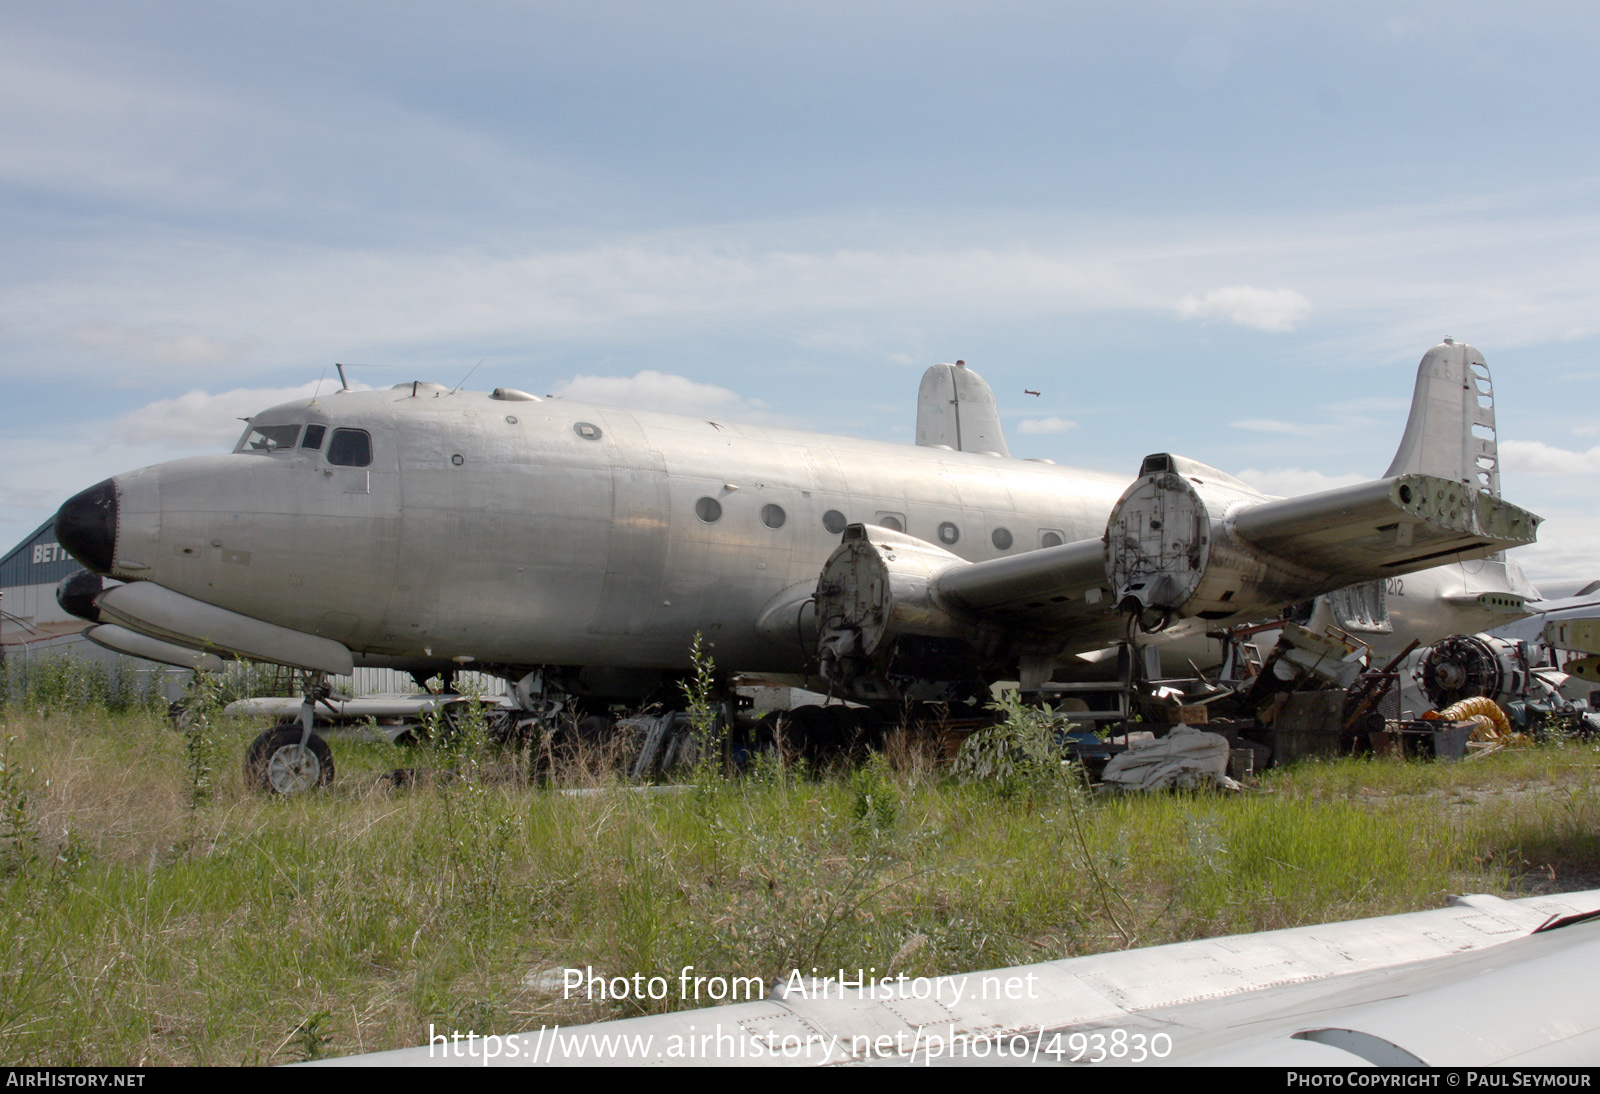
(1054, 589)
(1484, 982)
(1183, 545)
(1185, 542)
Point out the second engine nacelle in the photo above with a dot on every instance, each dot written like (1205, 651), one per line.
(882, 632)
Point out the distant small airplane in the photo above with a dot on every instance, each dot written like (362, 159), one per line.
(1027, 391)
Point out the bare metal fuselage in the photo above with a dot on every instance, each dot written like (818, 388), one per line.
(521, 533)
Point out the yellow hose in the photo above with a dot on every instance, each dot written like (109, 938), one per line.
(1477, 705)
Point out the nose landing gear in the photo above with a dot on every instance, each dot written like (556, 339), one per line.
(289, 758)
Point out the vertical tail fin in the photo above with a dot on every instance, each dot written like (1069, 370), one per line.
(956, 409)
(1451, 429)
(1451, 434)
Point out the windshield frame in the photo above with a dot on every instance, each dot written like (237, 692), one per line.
(267, 438)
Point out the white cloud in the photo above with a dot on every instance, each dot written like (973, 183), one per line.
(310, 297)
(200, 420)
(1244, 306)
(299, 299)
(1273, 425)
(162, 346)
(31, 488)
(1568, 547)
(95, 121)
(1365, 405)
(1046, 425)
(1538, 458)
(1289, 482)
(652, 390)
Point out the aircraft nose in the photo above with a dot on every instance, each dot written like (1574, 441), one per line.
(86, 525)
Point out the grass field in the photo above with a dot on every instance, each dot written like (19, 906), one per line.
(156, 911)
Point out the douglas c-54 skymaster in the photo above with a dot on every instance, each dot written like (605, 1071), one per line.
(577, 549)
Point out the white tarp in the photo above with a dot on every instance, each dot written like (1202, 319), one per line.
(1185, 759)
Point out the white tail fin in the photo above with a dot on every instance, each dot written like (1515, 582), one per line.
(956, 409)
(1451, 429)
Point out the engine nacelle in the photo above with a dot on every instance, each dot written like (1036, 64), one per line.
(1170, 551)
(882, 632)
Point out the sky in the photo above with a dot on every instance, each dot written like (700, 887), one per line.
(1226, 230)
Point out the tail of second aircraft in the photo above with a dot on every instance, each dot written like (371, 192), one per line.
(1451, 429)
(956, 409)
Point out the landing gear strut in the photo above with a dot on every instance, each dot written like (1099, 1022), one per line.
(289, 758)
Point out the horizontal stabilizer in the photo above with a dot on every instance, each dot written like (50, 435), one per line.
(1581, 635)
(1500, 602)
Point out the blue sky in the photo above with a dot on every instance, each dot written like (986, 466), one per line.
(1225, 230)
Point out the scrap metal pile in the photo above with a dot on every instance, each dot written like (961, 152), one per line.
(1318, 694)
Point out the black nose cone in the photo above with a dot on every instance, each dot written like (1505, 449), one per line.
(76, 594)
(87, 526)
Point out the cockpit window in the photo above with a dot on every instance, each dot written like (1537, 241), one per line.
(350, 448)
(313, 437)
(270, 438)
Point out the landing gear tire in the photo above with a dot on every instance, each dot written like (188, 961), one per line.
(277, 763)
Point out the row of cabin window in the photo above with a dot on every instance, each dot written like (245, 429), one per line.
(709, 510)
(348, 448)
